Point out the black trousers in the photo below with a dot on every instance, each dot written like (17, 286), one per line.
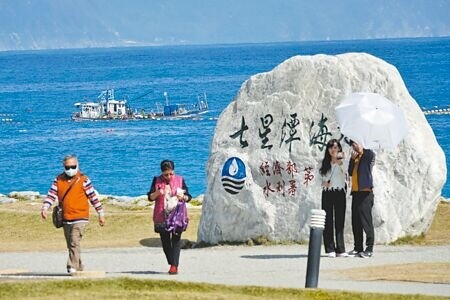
(334, 203)
(362, 203)
(171, 244)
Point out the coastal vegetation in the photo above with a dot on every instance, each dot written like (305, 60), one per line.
(439, 232)
(21, 228)
(413, 272)
(126, 288)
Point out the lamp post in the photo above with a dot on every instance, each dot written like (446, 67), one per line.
(317, 224)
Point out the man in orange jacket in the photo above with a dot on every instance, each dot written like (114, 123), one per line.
(75, 191)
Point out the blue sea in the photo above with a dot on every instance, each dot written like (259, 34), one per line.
(38, 90)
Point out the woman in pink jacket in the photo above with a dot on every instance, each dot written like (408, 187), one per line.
(165, 186)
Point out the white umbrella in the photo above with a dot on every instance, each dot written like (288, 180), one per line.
(371, 120)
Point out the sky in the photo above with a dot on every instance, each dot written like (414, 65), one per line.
(47, 24)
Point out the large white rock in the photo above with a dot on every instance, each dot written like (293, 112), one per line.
(408, 180)
(5, 199)
(25, 195)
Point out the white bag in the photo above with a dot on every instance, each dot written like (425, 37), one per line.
(170, 203)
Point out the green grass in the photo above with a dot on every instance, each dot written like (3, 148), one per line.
(195, 202)
(412, 272)
(126, 288)
(22, 229)
(438, 234)
(410, 240)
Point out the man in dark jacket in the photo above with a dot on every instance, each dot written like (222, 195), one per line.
(360, 170)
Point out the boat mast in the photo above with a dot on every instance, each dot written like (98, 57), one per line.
(167, 98)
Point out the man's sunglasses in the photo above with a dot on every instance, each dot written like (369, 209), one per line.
(167, 174)
(70, 167)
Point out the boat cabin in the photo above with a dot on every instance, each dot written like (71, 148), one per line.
(106, 108)
(116, 108)
(89, 110)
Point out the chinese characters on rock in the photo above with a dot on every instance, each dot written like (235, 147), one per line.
(282, 178)
(288, 132)
(319, 134)
(240, 134)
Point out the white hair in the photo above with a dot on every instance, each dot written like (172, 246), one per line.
(70, 156)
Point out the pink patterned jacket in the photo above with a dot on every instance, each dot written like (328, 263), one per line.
(158, 211)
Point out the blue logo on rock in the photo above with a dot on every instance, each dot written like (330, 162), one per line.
(233, 175)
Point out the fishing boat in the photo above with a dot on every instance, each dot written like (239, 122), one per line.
(105, 108)
(108, 108)
(180, 111)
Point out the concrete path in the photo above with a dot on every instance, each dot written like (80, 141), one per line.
(276, 266)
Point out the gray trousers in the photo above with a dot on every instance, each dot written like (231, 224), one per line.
(73, 234)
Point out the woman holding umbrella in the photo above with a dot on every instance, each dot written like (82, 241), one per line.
(333, 198)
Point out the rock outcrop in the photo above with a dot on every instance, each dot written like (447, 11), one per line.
(262, 174)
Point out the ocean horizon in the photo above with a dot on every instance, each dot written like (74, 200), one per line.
(212, 45)
(38, 90)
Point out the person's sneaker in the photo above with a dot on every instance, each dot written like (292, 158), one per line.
(365, 254)
(331, 254)
(173, 270)
(71, 270)
(343, 254)
(353, 253)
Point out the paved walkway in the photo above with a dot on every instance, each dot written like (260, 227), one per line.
(276, 266)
